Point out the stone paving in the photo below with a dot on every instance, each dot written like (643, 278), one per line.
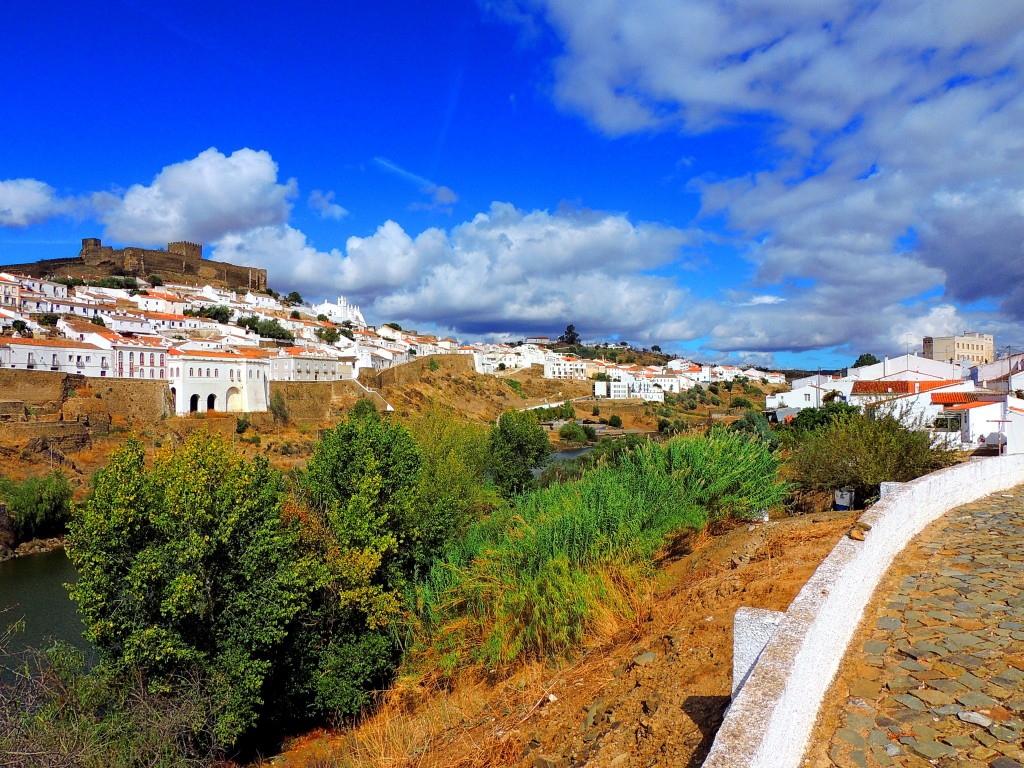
(936, 672)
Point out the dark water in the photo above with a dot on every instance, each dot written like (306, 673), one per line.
(32, 590)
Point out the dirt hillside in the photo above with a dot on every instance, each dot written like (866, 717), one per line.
(650, 694)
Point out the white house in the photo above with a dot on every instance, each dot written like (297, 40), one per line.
(61, 355)
(232, 380)
(341, 312)
(565, 368)
(309, 364)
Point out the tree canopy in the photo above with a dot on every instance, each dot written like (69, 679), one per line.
(570, 336)
(517, 445)
(865, 359)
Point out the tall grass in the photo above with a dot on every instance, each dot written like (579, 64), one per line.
(529, 580)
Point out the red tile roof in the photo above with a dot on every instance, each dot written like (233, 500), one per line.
(899, 387)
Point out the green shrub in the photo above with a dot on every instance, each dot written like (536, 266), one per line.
(40, 506)
(741, 402)
(863, 452)
(572, 432)
(242, 424)
(615, 421)
(434, 364)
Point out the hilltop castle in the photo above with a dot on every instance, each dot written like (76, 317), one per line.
(182, 262)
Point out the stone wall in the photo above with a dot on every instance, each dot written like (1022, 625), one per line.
(318, 402)
(182, 262)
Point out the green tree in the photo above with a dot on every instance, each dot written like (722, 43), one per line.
(572, 432)
(327, 335)
(293, 298)
(570, 336)
(155, 280)
(294, 315)
(740, 402)
(360, 488)
(187, 567)
(97, 320)
(615, 421)
(865, 359)
(48, 319)
(19, 326)
(517, 445)
(39, 506)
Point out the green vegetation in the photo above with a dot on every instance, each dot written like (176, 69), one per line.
(39, 507)
(573, 433)
(19, 326)
(48, 319)
(279, 408)
(155, 280)
(293, 298)
(615, 421)
(517, 445)
(863, 451)
(268, 329)
(433, 365)
(555, 412)
(741, 402)
(97, 320)
(328, 335)
(219, 313)
(526, 583)
(517, 387)
(187, 572)
(865, 359)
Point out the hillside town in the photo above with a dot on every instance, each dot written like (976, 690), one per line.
(219, 349)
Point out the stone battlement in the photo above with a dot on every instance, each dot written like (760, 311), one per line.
(182, 262)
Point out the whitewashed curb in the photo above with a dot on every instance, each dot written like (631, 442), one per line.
(770, 721)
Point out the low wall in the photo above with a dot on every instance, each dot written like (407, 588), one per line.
(770, 721)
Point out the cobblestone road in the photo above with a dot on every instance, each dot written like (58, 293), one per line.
(936, 672)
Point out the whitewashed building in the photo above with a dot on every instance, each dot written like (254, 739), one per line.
(235, 381)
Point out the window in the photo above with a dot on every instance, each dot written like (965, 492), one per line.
(191, 372)
(207, 373)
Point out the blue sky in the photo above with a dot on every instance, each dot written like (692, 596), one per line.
(779, 182)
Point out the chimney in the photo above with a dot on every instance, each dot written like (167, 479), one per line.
(917, 387)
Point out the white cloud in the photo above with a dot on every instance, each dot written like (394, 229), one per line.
(506, 270)
(896, 183)
(323, 203)
(203, 199)
(27, 201)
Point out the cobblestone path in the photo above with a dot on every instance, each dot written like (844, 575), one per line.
(935, 674)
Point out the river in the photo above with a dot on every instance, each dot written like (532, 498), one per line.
(32, 589)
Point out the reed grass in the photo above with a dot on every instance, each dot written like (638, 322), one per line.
(531, 579)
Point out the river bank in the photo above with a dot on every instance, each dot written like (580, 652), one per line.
(32, 547)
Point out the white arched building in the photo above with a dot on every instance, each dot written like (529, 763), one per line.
(235, 380)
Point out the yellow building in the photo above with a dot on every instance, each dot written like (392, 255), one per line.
(975, 347)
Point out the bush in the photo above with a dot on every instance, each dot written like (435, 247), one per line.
(741, 402)
(596, 411)
(433, 364)
(572, 433)
(242, 424)
(517, 445)
(615, 421)
(863, 452)
(48, 319)
(40, 506)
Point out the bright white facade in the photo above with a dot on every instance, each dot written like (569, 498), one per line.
(62, 355)
(219, 381)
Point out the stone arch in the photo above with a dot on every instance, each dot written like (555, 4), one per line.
(193, 404)
(234, 399)
(211, 403)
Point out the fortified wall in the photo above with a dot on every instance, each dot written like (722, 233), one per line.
(182, 262)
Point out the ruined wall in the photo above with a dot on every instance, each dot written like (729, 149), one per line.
(182, 262)
(407, 373)
(320, 402)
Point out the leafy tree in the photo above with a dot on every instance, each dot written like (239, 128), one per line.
(322, 317)
(572, 432)
(39, 506)
(155, 280)
(740, 402)
(655, 348)
(187, 567)
(218, 313)
(434, 365)
(364, 406)
(294, 315)
(48, 319)
(327, 335)
(360, 489)
(865, 359)
(347, 333)
(615, 421)
(396, 326)
(278, 407)
(812, 419)
(570, 336)
(517, 445)
(754, 423)
(19, 326)
(97, 320)
(293, 298)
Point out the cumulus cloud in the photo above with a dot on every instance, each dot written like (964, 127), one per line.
(506, 270)
(203, 199)
(894, 194)
(28, 201)
(323, 203)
